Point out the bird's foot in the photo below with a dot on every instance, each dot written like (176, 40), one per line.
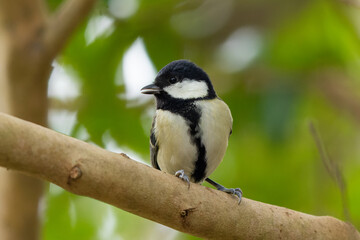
(234, 191)
(181, 174)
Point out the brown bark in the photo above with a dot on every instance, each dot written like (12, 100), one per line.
(23, 95)
(26, 54)
(88, 170)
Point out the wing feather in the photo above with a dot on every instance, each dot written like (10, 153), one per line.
(154, 147)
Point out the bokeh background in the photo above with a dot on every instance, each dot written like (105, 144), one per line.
(279, 65)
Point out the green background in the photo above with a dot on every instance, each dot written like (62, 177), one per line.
(279, 65)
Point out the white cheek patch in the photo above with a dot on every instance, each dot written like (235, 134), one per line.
(187, 89)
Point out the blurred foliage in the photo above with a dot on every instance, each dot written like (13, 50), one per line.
(272, 155)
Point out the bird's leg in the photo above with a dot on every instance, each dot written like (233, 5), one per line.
(181, 174)
(234, 191)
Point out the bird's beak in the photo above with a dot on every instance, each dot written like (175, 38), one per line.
(151, 89)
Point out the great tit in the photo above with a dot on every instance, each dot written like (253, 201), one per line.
(191, 126)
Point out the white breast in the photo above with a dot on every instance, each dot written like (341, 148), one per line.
(175, 148)
(215, 125)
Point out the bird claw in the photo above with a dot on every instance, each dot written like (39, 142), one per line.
(233, 191)
(181, 174)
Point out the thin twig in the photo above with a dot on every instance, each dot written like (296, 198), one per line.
(333, 169)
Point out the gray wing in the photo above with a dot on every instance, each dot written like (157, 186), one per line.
(154, 148)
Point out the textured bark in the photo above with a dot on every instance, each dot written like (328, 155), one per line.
(88, 170)
(27, 49)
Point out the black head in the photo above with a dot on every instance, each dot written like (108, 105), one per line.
(181, 79)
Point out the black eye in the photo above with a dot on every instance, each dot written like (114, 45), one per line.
(173, 80)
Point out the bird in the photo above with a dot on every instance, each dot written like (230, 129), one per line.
(192, 125)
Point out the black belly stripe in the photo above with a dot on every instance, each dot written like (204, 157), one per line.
(192, 114)
(200, 165)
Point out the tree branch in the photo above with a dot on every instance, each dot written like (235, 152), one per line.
(25, 66)
(63, 22)
(23, 91)
(113, 178)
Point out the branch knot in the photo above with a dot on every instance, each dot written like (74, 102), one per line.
(75, 173)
